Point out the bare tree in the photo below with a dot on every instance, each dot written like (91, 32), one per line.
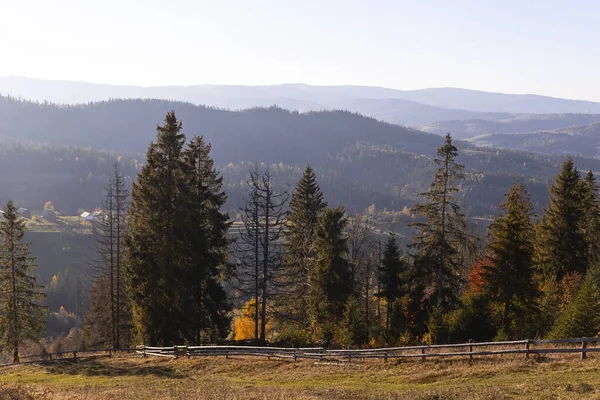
(259, 248)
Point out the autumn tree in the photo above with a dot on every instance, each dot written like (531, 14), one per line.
(22, 316)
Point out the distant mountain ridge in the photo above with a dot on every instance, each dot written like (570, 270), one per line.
(295, 96)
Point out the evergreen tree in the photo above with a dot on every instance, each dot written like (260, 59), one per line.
(509, 281)
(329, 280)
(22, 316)
(354, 330)
(443, 235)
(591, 220)
(393, 286)
(582, 316)
(306, 206)
(177, 242)
(561, 244)
(207, 246)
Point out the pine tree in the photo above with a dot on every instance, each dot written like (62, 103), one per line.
(329, 280)
(591, 220)
(206, 243)
(22, 316)
(582, 316)
(509, 280)
(108, 292)
(393, 285)
(306, 206)
(155, 245)
(561, 245)
(443, 235)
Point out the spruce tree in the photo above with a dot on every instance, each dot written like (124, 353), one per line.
(305, 207)
(177, 242)
(393, 285)
(591, 220)
(442, 235)
(22, 316)
(561, 245)
(509, 280)
(582, 316)
(206, 246)
(155, 243)
(330, 279)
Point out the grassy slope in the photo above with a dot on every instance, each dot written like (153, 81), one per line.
(137, 378)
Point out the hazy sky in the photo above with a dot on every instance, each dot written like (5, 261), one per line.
(547, 47)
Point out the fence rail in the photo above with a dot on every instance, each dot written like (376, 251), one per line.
(581, 346)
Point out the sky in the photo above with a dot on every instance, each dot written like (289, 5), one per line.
(547, 47)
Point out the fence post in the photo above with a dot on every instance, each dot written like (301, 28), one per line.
(349, 356)
(227, 354)
(385, 357)
(470, 349)
(321, 354)
(144, 349)
(527, 349)
(294, 354)
(74, 355)
(422, 352)
(583, 353)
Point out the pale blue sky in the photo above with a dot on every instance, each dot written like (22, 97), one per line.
(546, 47)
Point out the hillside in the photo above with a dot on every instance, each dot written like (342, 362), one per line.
(582, 140)
(452, 102)
(360, 160)
(509, 124)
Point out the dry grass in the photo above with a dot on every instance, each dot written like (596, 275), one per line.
(218, 378)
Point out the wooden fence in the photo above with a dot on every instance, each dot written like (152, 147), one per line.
(580, 346)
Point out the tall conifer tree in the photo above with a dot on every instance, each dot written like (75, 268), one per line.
(306, 206)
(330, 279)
(443, 235)
(393, 285)
(22, 316)
(509, 281)
(560, 244)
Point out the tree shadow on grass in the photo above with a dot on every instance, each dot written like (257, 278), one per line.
(95, 367)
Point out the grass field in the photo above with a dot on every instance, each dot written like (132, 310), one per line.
(152, 378)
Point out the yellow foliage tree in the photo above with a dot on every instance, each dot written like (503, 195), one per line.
(243, 324)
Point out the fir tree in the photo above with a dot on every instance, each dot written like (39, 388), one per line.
(306, 206)
(177, 242)
(155, 246)
(22, 316)
(591, 220)
(582, 316)
(443, 235)
(329, 280)
(561, 244)
(509, 280)
(393, 286)
(206, 246)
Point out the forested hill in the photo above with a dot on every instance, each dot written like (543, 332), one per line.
(360, 161)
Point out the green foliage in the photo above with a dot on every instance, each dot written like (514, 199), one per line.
(330, 279)
(353, 331)
(560, 243)
(442, 236)
(22, 317)
(393, 281)
(177, 243)
(509, 281)
(307, 204)
(582, 316)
